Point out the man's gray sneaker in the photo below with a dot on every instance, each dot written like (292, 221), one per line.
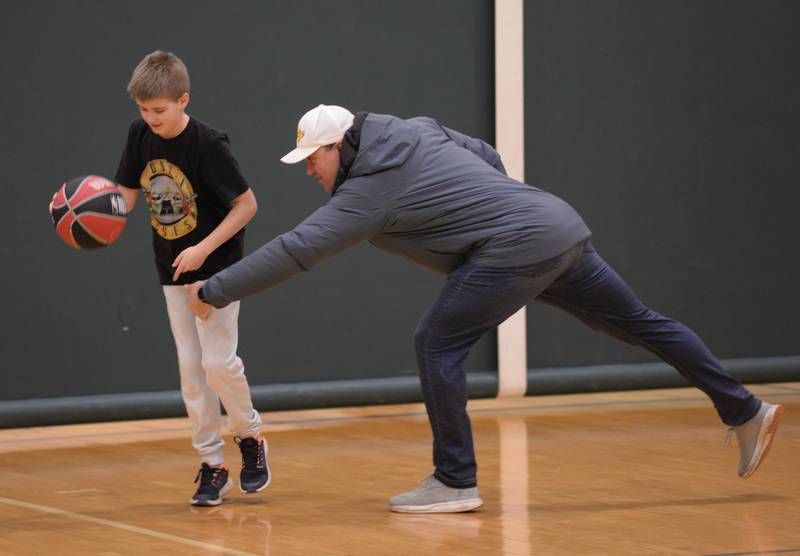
(433, 496)
(755, 437)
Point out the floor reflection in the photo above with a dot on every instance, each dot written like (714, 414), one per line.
(225, 523)
(513, 458)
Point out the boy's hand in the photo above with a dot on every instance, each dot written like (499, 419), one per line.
(202, 310)
(189, 259)
(50, 207)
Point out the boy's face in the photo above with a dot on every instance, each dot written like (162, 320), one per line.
(164, 115)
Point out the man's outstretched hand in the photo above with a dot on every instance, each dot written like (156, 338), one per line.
(199, 308)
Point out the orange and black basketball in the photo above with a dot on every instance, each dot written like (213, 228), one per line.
(88, 212)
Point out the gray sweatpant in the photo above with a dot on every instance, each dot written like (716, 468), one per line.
(211, 371)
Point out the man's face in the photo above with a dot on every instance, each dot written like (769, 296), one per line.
(323, 164)
(164, 115)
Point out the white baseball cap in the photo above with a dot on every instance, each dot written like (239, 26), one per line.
(318, 127)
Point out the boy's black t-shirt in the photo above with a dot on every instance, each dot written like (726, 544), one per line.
(189, 184)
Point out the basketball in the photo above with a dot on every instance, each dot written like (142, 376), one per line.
(88, 212)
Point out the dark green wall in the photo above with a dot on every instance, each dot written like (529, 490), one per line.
(94, 322)
(673, 128)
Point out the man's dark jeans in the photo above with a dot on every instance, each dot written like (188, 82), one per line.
(476, 299)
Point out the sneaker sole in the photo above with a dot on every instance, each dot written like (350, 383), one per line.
(225, 490)
(442, 507)
(764, 439)
(262, 487)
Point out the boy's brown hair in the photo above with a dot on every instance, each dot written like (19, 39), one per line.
(159, 74)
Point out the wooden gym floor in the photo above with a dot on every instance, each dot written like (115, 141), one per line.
(614, 473)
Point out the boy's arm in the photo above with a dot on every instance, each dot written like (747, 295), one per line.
(129, 167)
(192, 258)
(130, 196)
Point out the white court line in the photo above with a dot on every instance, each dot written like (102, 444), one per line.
(78, 491)
(118, 525)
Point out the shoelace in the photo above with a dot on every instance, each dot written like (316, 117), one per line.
(207, 475)
(728, 436)
(251, 454)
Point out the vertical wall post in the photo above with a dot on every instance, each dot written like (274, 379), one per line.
(510, 142)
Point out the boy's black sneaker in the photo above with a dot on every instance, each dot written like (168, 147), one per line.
(255, 475)
(214, 484)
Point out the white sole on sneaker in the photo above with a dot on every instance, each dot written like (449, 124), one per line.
(264, 486)
(225, 490)
(441, 507)
(765, 436)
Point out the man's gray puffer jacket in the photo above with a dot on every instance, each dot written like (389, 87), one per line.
(422, 191)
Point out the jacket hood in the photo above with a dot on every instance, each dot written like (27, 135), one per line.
(386, 142)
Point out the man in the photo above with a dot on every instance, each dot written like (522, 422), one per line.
(442, 199)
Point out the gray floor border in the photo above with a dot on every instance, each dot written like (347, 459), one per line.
(377, 391)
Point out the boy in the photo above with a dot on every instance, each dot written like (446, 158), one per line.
(199, 203)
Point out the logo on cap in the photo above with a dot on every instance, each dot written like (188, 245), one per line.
(300, 135)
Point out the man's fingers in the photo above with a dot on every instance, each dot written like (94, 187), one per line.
(201, 310)
(205, 314)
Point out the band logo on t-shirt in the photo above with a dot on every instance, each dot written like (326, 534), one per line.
(170, 199)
